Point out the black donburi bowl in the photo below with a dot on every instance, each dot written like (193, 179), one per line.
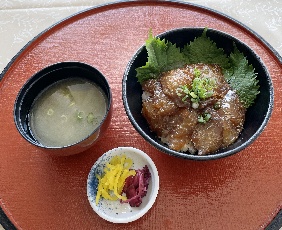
(42, 80)
(257, 115)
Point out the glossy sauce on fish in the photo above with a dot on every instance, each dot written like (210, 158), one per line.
(199, 128)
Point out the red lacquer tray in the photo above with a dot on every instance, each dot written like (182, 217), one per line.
(37, 191)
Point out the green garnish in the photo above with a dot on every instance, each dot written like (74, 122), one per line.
(72, 104)
(66, 93)
(80, 115)
(164, 56)
(201, 89)
(64, 118)
(197, 72)
(204, 118)
(203, 86)
(50, 112)
(90, 118)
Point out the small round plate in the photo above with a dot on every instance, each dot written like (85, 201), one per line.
(114, 211)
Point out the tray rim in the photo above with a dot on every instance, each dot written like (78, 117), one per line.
(10, 223)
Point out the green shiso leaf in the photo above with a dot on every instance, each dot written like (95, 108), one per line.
(164, 56)
(242, 78)
(147, 72)
(204, 50)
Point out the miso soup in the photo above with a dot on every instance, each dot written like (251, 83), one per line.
(67, 112)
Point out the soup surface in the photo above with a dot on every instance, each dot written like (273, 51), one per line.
(67, 112)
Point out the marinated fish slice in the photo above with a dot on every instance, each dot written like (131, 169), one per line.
(176, 121)
(208, 137)
(178, 131)
(155, 101)
(171, 81)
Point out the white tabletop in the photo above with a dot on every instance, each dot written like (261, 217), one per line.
(22, 20)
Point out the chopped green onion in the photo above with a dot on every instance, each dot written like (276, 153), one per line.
(201, 119)
(201, 89)
(80, 115)
(64, 118)
(193, 95)
(197, 72)
(185, 97)
(72, 104)
(50, 112)
(204, 118)
(90, 118)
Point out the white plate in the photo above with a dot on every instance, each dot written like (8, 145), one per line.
(114, 211)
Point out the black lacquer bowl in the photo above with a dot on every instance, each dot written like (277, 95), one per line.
(257, 115)
(47, 77)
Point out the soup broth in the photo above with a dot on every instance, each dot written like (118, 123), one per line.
(67, 112)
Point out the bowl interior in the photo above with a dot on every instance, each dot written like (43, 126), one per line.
(256, 117)
(43, 79)
(114, 211)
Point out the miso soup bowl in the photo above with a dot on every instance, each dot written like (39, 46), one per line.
(257, 116)
(45, 78)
